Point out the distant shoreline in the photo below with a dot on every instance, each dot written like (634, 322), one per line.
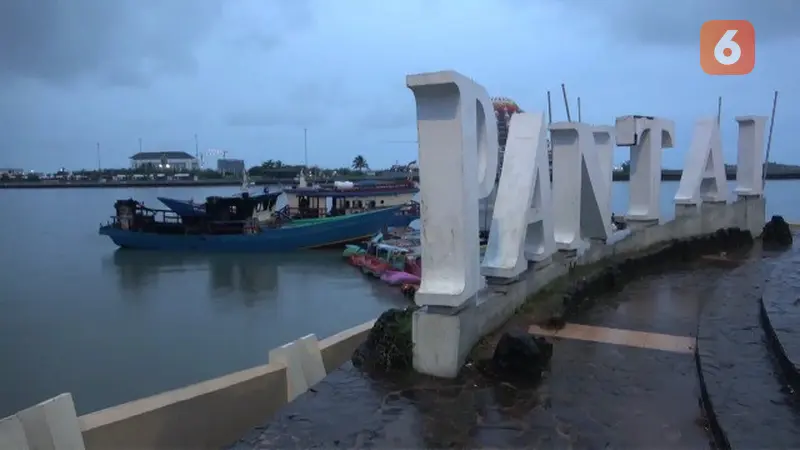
(666, 175)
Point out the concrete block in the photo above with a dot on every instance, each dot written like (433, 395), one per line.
(291, 356)
(313, 367)
(304, 365)
(441, 341)
(12, 434)
(52, 425)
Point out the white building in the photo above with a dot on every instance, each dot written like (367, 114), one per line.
(166, 161)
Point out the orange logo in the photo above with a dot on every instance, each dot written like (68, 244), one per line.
(727, 47)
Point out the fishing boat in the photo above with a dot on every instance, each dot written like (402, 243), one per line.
(236, 224)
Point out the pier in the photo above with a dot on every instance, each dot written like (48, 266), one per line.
(641, 317)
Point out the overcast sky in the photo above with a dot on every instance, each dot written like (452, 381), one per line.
(248, 75)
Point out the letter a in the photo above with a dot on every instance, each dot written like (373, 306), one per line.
(703, 178)
(522, 224)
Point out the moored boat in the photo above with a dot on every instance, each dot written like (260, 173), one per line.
(379, 258)
(236, 224)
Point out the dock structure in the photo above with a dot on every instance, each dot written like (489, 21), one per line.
(541, 231)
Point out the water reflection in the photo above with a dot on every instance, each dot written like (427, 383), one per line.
(244, 274)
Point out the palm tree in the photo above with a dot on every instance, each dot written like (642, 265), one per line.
(360, 163)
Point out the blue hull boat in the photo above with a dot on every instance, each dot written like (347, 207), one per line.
(187, 208)
(302, 234)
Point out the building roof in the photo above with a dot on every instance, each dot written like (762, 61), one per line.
(142, 156)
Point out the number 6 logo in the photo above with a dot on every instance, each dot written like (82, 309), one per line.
(727, 43)
(727, 47)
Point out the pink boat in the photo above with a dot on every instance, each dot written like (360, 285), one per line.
(396, 277)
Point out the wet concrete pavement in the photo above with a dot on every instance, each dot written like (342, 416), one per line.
(781, 301)
(594, 396)
(747, 395)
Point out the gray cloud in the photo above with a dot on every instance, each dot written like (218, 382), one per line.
(119, 42)
(273, 118)
(385, 118)
(303, 104)
(678, 22)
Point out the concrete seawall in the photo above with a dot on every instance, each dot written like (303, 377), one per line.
(216, 412)
(467, 325)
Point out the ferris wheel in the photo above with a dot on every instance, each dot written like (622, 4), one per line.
(212, 152)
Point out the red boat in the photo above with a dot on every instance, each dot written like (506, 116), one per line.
(379, 258)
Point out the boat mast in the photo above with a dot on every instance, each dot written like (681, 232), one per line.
(305, 146)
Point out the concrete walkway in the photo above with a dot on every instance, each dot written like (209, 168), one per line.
(622, 376)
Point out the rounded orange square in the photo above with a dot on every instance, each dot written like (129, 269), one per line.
(727, 47)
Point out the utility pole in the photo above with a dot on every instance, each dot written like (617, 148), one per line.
(305, 146)
(99, 166)
(566, 102)
(769, 140)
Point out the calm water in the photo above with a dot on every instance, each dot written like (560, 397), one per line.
(76, 315)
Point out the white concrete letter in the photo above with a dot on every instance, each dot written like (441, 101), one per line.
(458, 165)
(646, 137)
(522, 223)
(750, 156)
(580, 184)
(604, 149)
(703, 178)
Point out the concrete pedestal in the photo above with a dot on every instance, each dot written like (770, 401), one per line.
(443, 337)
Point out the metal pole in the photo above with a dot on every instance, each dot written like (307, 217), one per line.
(769, 140)
(196, 147)
(579, 109)
(549, 109)
(99, 166)
(719, 110)
(305, 146)
(140, 145)
(566, 102)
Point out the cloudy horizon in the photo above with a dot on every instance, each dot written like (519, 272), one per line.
(248, 76)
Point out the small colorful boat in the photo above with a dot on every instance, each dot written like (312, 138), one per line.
(399, 277)
(361, 247)
(380, 257)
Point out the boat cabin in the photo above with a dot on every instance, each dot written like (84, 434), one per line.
(393, 255)
(321, 202)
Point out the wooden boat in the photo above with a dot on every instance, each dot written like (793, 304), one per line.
(231, 225)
